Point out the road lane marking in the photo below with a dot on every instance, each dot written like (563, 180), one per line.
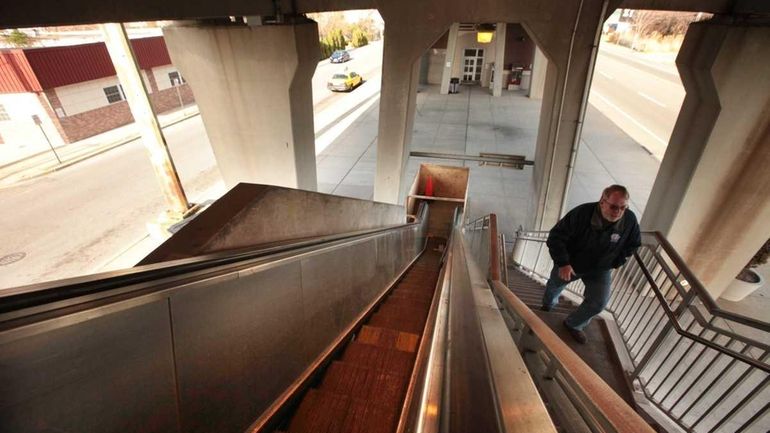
(606, 75)
(651, 99)
(628, 116)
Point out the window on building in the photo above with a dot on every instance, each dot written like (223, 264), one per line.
(176, 78)
(4, 114)
(114, 94)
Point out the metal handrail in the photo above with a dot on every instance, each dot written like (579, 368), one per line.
(667, 320)
(605, 410)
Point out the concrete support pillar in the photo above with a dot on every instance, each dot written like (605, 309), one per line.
(497, 84)
(539, 68)
(451, 47)
(404, 43)
(253, 88)
(567, 40)
(710, 198)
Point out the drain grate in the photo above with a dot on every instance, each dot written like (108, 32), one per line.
(11, 258)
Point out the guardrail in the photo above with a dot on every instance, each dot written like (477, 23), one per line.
(705, 368)
(589, 398)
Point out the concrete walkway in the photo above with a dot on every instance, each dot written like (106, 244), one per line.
(472, 122)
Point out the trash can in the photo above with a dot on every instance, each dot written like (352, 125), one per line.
(526, 79)
(454, 85)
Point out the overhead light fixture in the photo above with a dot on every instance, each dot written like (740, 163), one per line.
(484, 33)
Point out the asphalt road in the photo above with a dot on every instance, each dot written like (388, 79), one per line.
(640, 96)
(79, 220)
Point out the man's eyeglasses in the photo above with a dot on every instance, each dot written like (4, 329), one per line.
(615, 207)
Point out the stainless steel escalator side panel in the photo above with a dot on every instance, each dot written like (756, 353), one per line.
(194, 355)
(112, 372)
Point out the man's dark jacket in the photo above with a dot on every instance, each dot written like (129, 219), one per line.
(587, 242)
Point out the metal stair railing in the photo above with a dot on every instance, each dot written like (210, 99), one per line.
(705, 368)
(582, 400)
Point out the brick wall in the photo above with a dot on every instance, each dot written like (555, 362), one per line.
(49, 100)
(90, 123)
(168, 99)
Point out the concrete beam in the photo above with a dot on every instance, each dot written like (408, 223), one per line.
(710, 196)
(253, 88)
(33, 13)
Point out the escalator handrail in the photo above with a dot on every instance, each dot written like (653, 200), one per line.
(35, 295)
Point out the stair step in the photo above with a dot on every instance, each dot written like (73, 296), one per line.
(371, 385)
(412, 294)
(398, 321)
(409, 308)
(367, 417)
(388, 338)
(379, 358)
(320, 412)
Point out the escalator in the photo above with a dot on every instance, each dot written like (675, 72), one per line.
(364, 388)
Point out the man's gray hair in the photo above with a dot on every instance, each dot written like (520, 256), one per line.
(612, 189)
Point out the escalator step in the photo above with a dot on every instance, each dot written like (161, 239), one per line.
(413, 293)
(391, 360)
(407, 298)
(328, 412)
(402, 302)
(388, 338)
(366, 417)
(320, 412)
(416, 308)
(359, 382)
(398, 321)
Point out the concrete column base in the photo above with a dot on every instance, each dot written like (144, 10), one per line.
(253, 88)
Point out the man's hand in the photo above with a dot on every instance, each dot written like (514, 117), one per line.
(566, 272)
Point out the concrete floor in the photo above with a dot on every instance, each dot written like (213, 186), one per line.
(473, 121)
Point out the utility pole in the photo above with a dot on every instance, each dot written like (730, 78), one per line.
(123, 59)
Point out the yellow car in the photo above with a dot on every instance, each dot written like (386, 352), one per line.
(344, 81)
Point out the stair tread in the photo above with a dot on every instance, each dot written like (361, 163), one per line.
(378, 357)
(361, 382)
(388, 338)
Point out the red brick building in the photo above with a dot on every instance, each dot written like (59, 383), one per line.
(74, 90)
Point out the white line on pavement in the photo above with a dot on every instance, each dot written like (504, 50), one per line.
(651, 99)
(606, 75)
(628, 116)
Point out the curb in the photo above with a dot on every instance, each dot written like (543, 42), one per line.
(105, 148)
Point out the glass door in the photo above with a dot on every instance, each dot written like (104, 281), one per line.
(473, 61)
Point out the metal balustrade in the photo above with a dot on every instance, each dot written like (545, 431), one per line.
(705, 368)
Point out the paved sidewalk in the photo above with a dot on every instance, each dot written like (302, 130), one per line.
(472, 122)
(45, 162)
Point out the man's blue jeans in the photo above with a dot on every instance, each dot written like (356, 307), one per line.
(595, 298)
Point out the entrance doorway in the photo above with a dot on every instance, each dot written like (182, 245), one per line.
(472, 64)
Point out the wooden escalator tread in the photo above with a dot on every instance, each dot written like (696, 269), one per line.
(363, 390)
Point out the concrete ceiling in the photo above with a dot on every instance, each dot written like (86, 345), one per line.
(33, 13)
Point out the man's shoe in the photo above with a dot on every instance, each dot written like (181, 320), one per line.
(577, 334)
(546, 308)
